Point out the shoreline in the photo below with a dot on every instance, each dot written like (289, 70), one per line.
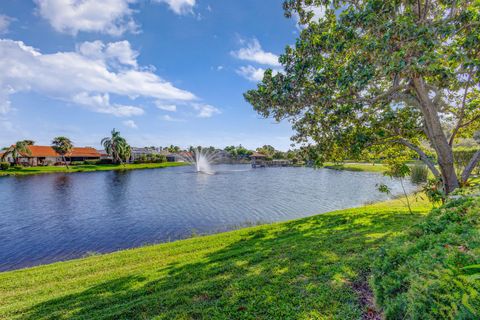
(27, 171)
(203, 273)
(394, 201)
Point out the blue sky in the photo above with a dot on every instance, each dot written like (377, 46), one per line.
(161, 71)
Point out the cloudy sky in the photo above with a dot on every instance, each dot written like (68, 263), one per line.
(161, 71)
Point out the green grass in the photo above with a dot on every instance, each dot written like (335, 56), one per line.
(86, 168)
(421, 275)
(301, 269)
(354, 166)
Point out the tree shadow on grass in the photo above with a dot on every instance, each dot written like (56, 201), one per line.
(302, 269)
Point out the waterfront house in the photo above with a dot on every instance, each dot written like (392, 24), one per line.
(258, 159)
(8, 158)
(46, 155)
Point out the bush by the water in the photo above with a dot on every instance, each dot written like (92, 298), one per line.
(151, 158)
(4, 165)
(422, 275)
(91, 162)
(105, 161)
(419, 173)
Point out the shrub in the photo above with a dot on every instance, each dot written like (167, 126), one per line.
(160, 158)
(4, 165)
(76, 163)
(421, 275)
(419, 173)
(151, 158)
(462, 156)
(91, 162)
(105, 161)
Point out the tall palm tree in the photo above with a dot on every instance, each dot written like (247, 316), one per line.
(117, 147)
(17, 150)
(63, 146)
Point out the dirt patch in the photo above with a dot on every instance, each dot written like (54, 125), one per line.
(367, 302)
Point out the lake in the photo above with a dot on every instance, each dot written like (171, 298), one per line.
(54, 217)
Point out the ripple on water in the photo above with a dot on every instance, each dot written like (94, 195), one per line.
(54, 217)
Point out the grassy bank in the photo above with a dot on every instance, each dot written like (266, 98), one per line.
(357, 166)
(311, 268)
(85, 168)
(433, 271)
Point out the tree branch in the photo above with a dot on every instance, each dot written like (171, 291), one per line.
(423, 155)
(381, 96)
(471, 165)
(462, 112)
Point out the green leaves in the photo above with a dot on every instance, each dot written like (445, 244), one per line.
(348, 84)
(62, 145)
(117, 147)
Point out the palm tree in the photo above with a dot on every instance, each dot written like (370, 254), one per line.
(63, 146)
(29, 142)
(117, 147)
(17, 150)
(173, 149)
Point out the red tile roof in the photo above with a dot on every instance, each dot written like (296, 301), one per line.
(47, 151)
(85, 152)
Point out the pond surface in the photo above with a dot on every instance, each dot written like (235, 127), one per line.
(54, 217)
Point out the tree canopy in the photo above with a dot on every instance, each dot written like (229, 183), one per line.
(117, 147)
(380, 74)
(63, 146)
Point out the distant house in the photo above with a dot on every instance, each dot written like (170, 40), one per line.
(46, 155)
(104, 155)
(258, 159)
(7, 158)
(173, 157)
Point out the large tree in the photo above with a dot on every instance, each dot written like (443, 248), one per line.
(380, 72)
(63, 146)
(117, 147)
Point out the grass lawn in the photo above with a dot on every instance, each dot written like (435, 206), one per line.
(357, 166)
(86, 168)
(310, 268)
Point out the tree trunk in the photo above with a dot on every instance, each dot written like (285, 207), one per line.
(65, 161)
(433, 129)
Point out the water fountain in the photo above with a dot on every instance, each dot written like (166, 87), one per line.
(201, 159)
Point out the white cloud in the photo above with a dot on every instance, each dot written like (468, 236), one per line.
(119, 53)
(251, 73)
(5, 23)
(88, 77)
(166, 107)
(101, 103)
(179, 6)
(170, 118)
(253, 52)
(111, 17)
(205, 110)
(130, 124)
